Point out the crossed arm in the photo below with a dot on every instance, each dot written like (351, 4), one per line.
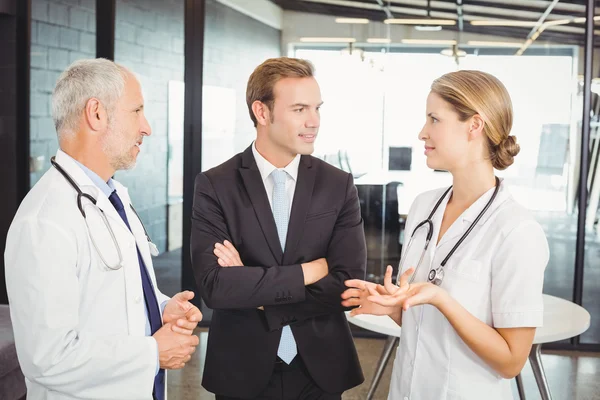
(310, 289)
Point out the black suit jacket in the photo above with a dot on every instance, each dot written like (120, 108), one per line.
(230, 202)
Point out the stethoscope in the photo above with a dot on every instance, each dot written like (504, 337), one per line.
(80, 196)
(436, 275)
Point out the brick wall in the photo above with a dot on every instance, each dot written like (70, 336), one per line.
(62, 31)
(149, 41)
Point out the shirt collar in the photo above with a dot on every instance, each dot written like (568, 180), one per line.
(106, 187)
(472, 212)
(265, 167)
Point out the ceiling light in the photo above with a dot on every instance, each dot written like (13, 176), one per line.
(494, 44)
(503, 22)
(352, 20)
(428, 28)
(379, 40)
(419, 21)
(581, 20)
(558, 22)
(506, 22)
(327, 40)
(429, 41)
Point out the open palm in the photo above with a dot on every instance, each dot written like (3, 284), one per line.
(362, 293)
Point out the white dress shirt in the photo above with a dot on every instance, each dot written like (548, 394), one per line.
(266, 168)
(497, 274)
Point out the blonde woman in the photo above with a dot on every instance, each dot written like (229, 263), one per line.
(469, 301)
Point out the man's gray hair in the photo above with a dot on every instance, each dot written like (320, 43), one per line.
(85, 79)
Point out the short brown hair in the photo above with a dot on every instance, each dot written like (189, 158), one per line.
(476, 92)
(266, 75)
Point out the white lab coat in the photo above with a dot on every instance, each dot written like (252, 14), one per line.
(79, 327)
(497, 274)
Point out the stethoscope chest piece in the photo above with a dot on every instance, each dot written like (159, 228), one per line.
(436, 276)
(153, 249)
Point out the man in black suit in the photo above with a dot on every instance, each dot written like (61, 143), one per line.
(275, 233)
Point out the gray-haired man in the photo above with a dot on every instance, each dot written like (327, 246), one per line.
(87, 315)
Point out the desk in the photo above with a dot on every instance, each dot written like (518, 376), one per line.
(562, 320)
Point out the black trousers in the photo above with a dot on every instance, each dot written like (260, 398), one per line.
(291, 382)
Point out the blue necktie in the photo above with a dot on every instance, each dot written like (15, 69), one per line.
(149, 298)
(281, 204)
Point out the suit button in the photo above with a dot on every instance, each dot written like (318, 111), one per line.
(137, 299)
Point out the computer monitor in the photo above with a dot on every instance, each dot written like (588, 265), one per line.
(400, 158)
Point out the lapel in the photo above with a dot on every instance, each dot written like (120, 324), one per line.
(131, 269)
(300, 206)
(502, 195)
(125, 238)
(464, 221)
(453, 231)
(260, 202)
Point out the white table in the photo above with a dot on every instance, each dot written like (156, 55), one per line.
(562, 320)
